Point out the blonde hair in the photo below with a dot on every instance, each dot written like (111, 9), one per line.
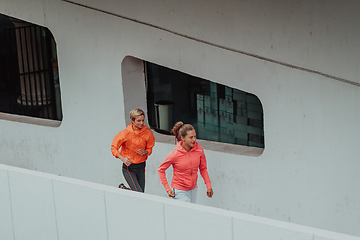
(180, 130)
(135, 113)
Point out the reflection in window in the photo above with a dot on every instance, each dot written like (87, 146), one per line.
(218, 113)
(29, 80)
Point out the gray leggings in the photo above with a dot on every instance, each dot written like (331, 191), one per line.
(186, 196)
(135, 176)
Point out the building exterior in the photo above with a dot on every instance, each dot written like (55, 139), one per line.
(300, 59)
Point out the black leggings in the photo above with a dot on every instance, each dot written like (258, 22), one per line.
(135, 176)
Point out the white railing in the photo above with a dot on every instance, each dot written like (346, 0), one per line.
(35, 205)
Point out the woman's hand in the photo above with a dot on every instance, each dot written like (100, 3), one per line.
(142, 152)
(126, 160)
(171, 193)
(210, 193)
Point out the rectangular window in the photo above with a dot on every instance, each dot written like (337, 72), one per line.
(29, 80)
(219, 113)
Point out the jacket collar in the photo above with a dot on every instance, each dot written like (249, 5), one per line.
(180, 148)
(131, 129)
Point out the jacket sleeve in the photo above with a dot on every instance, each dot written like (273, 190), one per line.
(150, 143)
(116, 144)
(203, 171)
(161, 171)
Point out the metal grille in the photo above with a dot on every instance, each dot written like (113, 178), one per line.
(31, 87)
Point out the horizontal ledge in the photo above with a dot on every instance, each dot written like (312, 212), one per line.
(30, 120)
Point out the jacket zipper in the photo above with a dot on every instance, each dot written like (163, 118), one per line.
(191, 171)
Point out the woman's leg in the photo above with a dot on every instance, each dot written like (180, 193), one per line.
(193, 194)
(185, 196)
(140, 174)
(135, 176)
(131, 178)
(181, 195)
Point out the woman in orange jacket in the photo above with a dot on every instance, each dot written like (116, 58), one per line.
(187, 158)
(136, 143)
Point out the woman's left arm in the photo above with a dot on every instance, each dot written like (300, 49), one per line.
(150, 142)
(205, 175)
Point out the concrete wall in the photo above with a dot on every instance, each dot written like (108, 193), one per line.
(309, 171)
(317, 35)
(43, 206)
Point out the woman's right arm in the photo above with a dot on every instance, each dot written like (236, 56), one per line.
(116, 144)
(161, 171)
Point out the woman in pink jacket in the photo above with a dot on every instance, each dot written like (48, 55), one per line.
(187, 158)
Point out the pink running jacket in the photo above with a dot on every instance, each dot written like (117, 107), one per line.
(185, 168)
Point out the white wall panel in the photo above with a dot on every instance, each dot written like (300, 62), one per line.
(244, 229)
(80, 212)
(187, 220)
(6, 219)
(32, 203)
(134, 216)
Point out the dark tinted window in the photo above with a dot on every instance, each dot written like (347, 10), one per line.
(29, 80)
(218, 112)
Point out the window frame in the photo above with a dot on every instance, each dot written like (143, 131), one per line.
(134, 77)
(30, 82)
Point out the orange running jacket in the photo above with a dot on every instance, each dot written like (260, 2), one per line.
(131, 141)
(185, 168)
